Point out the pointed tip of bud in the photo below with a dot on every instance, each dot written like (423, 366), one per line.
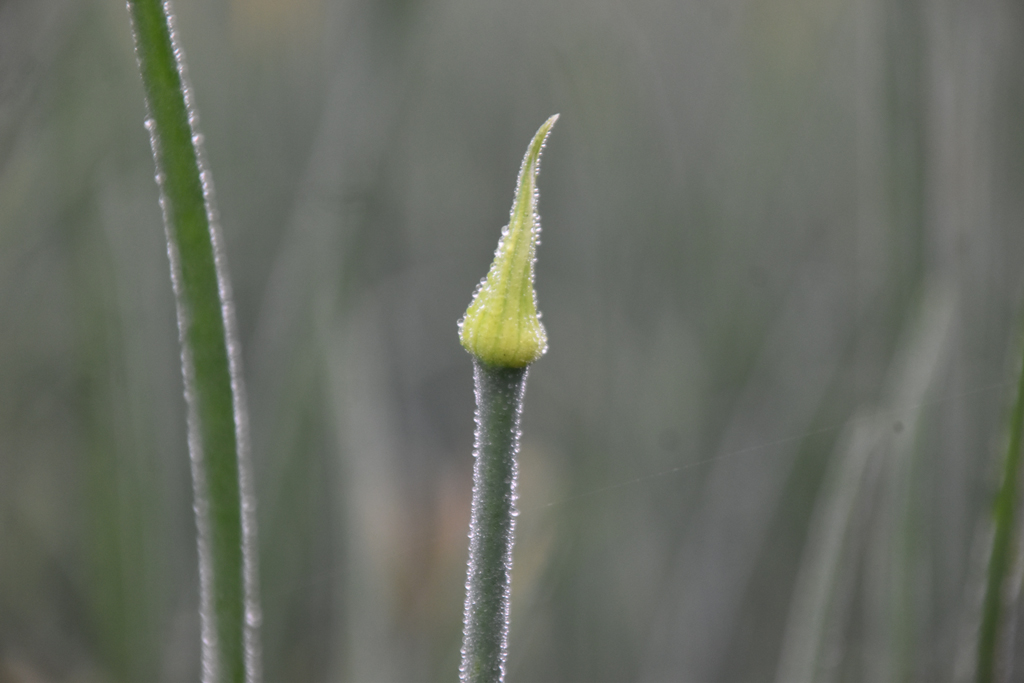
(502, 326)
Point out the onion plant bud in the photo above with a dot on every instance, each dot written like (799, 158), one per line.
(502, 326)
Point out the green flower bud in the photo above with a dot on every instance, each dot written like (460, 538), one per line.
(501, 326)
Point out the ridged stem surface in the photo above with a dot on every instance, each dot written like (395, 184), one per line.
(217, 425)
(499, 405)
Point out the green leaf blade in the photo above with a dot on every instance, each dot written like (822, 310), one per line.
(217, 422)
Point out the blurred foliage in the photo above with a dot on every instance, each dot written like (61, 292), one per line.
(763, 221)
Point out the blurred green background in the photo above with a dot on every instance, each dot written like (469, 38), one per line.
(780, 274)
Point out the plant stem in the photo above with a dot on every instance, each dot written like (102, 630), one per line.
(503, 332)
(1005, 508)
(214, 393)
(499, 405)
